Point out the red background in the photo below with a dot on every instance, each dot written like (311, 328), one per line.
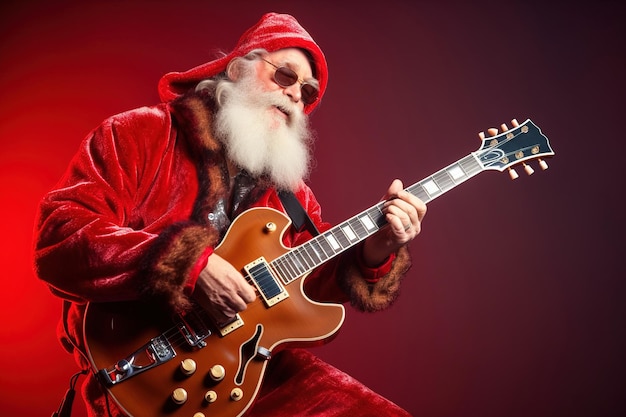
(515, 305)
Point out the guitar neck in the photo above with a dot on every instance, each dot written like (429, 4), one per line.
(500, 152)
(336, 240)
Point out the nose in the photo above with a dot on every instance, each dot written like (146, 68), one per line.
(294, 92)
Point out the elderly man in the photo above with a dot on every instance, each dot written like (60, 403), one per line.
(146, 202)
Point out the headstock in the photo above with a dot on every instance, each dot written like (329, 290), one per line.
(514, 146)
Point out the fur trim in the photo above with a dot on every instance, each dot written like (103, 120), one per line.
(178, 248)
(194, 114)
(370, 297)
(195, 111)
(175, 253)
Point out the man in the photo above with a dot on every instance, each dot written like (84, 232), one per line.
(152, 192)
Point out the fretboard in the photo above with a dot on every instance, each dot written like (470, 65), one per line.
(304, 258)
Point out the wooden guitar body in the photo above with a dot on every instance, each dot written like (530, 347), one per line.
(115, 331)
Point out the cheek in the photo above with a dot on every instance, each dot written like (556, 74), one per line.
(268, 84)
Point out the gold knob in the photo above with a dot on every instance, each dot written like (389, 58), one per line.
(217, 372)
(199, 414)
(188, 366)
(236, 394)
(270, 227)
(210, 396)
(179, 396)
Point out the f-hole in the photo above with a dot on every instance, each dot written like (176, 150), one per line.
(248, 352)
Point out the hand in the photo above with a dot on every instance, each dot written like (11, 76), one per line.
(404, 213)
(222, 290)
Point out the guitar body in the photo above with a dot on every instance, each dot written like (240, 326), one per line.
(113, 331)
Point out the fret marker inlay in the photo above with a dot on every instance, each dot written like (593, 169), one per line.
(431, 187)
(456, 172)
(349, 233)
(367, 222)
(333, 242)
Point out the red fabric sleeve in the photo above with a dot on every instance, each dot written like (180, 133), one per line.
(93, 228)
(374, 274)
(200, 264)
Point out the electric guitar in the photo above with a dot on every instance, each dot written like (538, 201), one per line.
(156, 365)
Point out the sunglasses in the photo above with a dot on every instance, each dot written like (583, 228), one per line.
(286, 77)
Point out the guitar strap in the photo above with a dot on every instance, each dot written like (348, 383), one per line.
(299, 217)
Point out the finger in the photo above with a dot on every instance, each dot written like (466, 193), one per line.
(418, 207)
(394, 188)
(404, 223)
(396, 223)
(247, 293)
(235, 304)
(404, 211)
(222, 317)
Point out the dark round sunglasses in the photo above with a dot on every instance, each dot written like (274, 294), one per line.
(286, 77)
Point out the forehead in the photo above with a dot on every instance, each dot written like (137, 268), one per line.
(293, 58)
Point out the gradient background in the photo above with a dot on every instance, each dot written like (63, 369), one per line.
(515, 305)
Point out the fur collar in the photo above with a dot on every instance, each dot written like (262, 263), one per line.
(193, 115)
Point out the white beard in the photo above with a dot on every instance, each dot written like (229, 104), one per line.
(260, 140)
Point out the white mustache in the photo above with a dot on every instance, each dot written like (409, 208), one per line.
(283, 103)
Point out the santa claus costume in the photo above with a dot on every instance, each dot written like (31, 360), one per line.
(140, 209)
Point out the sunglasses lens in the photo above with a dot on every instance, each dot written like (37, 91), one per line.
(285, 77)
(309, 93)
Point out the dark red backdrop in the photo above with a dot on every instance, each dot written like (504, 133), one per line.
(515, 305)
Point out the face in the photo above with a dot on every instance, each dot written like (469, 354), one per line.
(263, 125)
(292, 58)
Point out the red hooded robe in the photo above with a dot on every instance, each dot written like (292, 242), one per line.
(128, 221)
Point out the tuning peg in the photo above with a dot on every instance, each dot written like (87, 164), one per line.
(481, 135)
(504, 127)
(514, 123)
(529, 170)
(513, 174)
(543, 164)
(492, 131)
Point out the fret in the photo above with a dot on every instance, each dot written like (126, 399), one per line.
(358, 227)
(349, 232)
(332, 241)
(297, 261)
(289, 266)
(306, 255)
(306, 259)
(457, 173)
(419, 191)
(377, 215)
(281, 269)
(367, 222)
(431, 188)
(318, 250)
(443, 180)
(471, 165)
(328, 244)
(343, 240)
